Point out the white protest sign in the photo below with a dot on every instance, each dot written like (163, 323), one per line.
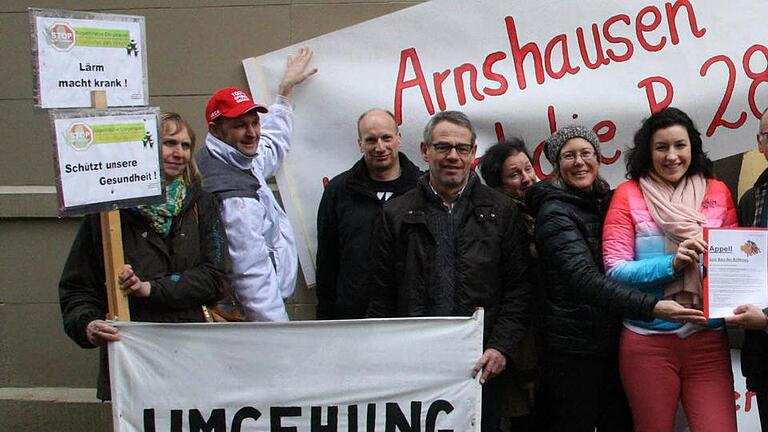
(79, 52)
(107, 158)
(523, 69)
(357, 375)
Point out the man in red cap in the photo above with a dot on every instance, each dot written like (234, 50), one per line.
(241, 150)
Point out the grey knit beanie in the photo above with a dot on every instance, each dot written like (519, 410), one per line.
(558, 139)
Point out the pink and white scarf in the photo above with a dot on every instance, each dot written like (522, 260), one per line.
(675, 209)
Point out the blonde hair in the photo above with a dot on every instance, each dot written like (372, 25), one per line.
(174, 122)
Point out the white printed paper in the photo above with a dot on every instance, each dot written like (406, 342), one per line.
(78, 52)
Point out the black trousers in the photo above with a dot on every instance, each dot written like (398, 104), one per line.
(584, 393)
(762, 408)
(493, 400)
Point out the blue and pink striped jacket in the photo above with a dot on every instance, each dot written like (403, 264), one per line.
(633, 244)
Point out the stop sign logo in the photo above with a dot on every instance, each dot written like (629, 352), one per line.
(61, 36)
(80, 136)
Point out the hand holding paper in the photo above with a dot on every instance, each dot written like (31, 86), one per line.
(749, 317)
(688, 253)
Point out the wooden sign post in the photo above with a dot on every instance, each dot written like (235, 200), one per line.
(112, 246)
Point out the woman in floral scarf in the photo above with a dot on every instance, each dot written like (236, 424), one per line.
(175, 255)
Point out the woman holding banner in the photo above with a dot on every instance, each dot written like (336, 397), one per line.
(652, 242)
(175, 254)
(583, 307)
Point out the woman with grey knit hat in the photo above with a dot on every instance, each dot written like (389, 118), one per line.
(583, 309)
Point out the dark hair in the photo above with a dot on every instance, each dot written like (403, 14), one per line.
(638, 158)
(493, 159)
(455, 117)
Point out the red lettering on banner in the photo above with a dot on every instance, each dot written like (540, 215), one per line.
(561, 40)
(748, 396)
(641, 27)
(718, 120)
(499, 132)
(519, 53)
(438, 78)
(748, 404)
(418, 80)
(672, 15)
(613, 41)
(605, 131)
(600, 56)
(537, 153)
(756, 77)
(653, 103)
(493, 76)
(618, 39)
(458, 81)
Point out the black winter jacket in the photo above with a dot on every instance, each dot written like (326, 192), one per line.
(345, 219)
(491, 262)
(186, 270)
(754, 353)
(583, 308)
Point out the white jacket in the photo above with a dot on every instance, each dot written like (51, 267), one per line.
(261, 242)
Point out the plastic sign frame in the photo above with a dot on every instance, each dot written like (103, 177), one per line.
(74, 53)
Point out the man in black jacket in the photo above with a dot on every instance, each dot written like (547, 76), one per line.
(754, 354)
(451, 245)
(350, 204)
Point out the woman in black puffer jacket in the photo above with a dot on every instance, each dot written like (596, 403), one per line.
(583, 307)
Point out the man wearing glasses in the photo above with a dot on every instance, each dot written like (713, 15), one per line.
(451, 245)
(754, 354)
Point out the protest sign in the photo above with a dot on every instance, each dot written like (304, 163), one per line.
(78, 52)
(106, 159)
(522, 69)
(357, 375)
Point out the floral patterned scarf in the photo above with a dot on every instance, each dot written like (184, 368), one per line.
(160, 216)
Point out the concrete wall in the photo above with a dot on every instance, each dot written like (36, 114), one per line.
(194, 48)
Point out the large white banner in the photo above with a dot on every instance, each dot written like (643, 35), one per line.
(384, 375)
(522, 68)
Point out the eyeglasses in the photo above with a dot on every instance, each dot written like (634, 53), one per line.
(462, 149)
(585, 155)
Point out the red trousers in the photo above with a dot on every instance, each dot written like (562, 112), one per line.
(659, 370)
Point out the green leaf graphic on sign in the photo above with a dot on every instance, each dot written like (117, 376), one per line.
(101, 38)
(116, 133)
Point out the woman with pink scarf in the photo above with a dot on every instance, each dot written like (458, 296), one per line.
(652, 241)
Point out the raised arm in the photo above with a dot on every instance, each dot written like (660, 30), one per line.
(277, 124)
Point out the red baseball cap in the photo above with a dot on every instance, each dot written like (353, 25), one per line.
(230, 102)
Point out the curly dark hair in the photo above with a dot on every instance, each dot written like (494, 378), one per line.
(638, 158)
(493, 159)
